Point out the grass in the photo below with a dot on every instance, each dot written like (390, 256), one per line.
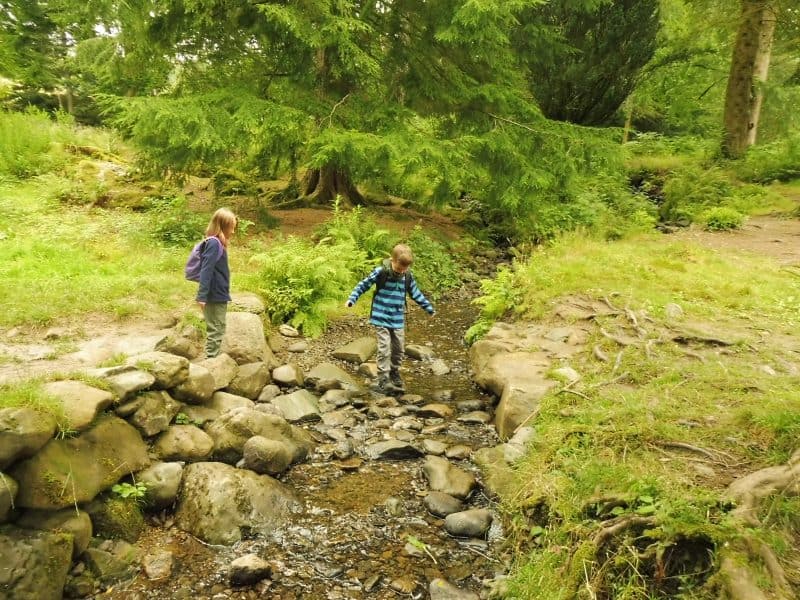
(29, 394)
(740, 403)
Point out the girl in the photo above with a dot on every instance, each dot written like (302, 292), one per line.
(213, 294)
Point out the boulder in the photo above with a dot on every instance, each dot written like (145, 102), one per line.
(266, 456)
(247, 302)
(250, 380)
(249, 569)
(445, 477)
(82, 403)
(244, 339)
(222, 368)
(116, 518)
(357, 351)
(8, 492)
(329, 372)
(198, 387)
(220, 504)
(126, 381)
(469, 523)
(185, 340)
(223, 402)
(527, 370)
(288, 375)
(299, 406)
(23, 431)
(392, 450)
(113, 563)
(419, 352)
(33, 564)
(183, 442)
(75, 470)
(234, 428)
(162, 480)
(169, 370)
(517, 404)
(66, 520)
(155, 413)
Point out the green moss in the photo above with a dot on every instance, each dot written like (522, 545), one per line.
(117, 518)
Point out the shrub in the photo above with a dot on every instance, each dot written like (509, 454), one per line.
(434, 267)
(28, 154)
(689, 191)
(722, 218)
(769, 162)
(357, 228)
(173, 223)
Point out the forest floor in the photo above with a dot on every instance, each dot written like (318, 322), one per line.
(75, 344)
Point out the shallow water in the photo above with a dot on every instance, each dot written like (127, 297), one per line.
(363, 533)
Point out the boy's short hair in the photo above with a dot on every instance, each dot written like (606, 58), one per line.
(402, 255)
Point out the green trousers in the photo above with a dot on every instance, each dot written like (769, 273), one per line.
(214, 313)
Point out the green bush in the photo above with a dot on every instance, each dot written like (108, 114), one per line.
(434, 267)
(689, 191)
(173, 223)
(722, 218)
(25, 141)
(770, 162)
(356, 227)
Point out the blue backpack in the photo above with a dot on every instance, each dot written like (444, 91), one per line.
(195, 261)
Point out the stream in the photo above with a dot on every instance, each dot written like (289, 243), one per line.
(364, 531)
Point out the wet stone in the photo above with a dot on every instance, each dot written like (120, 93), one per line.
(433, 447)
(469, 405)
(392, 450)
(443, 396)
(477, 417)
(441, 589)
(158, 566)
(407, 422)
(249, 569)
(268, 393)
(458, 452)
(435, 410)
(469, 523)
(441, 504)
(411, 399)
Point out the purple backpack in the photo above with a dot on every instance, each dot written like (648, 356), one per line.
(195, 262)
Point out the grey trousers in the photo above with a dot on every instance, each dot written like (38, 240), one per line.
(391, 344)
(214, 313)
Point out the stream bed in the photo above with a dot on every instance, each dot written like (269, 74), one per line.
(364, 531)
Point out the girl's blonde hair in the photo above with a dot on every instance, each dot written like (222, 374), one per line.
(402, 255)
(222, 225)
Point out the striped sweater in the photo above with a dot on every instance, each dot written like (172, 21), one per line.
(389, 303)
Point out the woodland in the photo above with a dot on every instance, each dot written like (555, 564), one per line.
(566, 138)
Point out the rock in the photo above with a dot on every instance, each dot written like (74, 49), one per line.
(223, 402)
(444, 396)
(158, 565)
(155, 413)
(298, 347)
(247, 302)
(82, 403)
(439, 367)
(288, 375)
(419, 352)
(66, 520)
(126, 382)
(8, 492)
(441, 504)
(114, 564)
(517, 404)
(476, 417)
(79, 586)
(268, 393)
(128, 408)
(567, 374)
(368, 369)
(440, 589)
(116, 518)
(337, 398)
(23, 431)
(198, 387)
(250, 380)
(330, 372)
(244, 339)
(458, 452)
(494, 370)
(185, 340)
(234, 428)
(673, 311)
(249, 569)
(469, 523)
(168, 369)
(33, 564)
(162, 480)
(75, 470)
(199, 415)
(287, 330)
(219, 503)
(392, 450)
(440, 411)
(444, 477)
(299, 406)
(433, 447)
(266, 456)
(222, 368)
(184, 443)
(357, 351)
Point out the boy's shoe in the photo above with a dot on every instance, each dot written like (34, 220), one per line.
(397, 382)
(380, 385)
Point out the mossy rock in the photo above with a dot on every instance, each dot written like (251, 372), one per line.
(116, 518)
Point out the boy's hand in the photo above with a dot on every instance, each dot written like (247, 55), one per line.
(348, 304)
(433, 314)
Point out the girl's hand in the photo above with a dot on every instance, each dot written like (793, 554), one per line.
(202, 305)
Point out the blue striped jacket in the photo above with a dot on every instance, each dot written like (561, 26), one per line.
(389, 303)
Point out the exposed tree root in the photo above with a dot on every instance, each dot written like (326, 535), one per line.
(748, 492)
(617, 526)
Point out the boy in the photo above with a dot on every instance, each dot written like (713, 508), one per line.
(392, 281)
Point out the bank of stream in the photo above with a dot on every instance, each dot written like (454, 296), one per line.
(364, 531)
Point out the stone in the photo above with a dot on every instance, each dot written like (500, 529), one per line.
(129, 381)
(162, 481)
(183, 443)
(247, 302)
(158, 565)
(368, 369)
(33, 564)
(169, 370)
(112, 565)
(222, 368)
(66, 520)
(266, 456)
(445, 477)
(299, 406)
(198, 387)
(8, 492)
(288, 375)
(244, 339)
(517, 404)
(155, 413)
(82, 403)
(250, 380)
(268, 393)
(392, 450)
(199, 415)
(439, 367)
(475, 417)
(330, 372)
(219, 503)
(287, 330)
(75, 470)
(441, 589)
(567, 374)
(433, 447)
(234, 428)
(223, 402)
(298, 347)
(185, 340)
(419, 352)
(458, 452)
(441, 504)
(441, 411)
(249, 569)
(357, 351)
(116, 518)
(469, 523)
(23, 431)
(673, 311)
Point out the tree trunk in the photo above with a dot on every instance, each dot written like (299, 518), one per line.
(322, 185)
(751, 55)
